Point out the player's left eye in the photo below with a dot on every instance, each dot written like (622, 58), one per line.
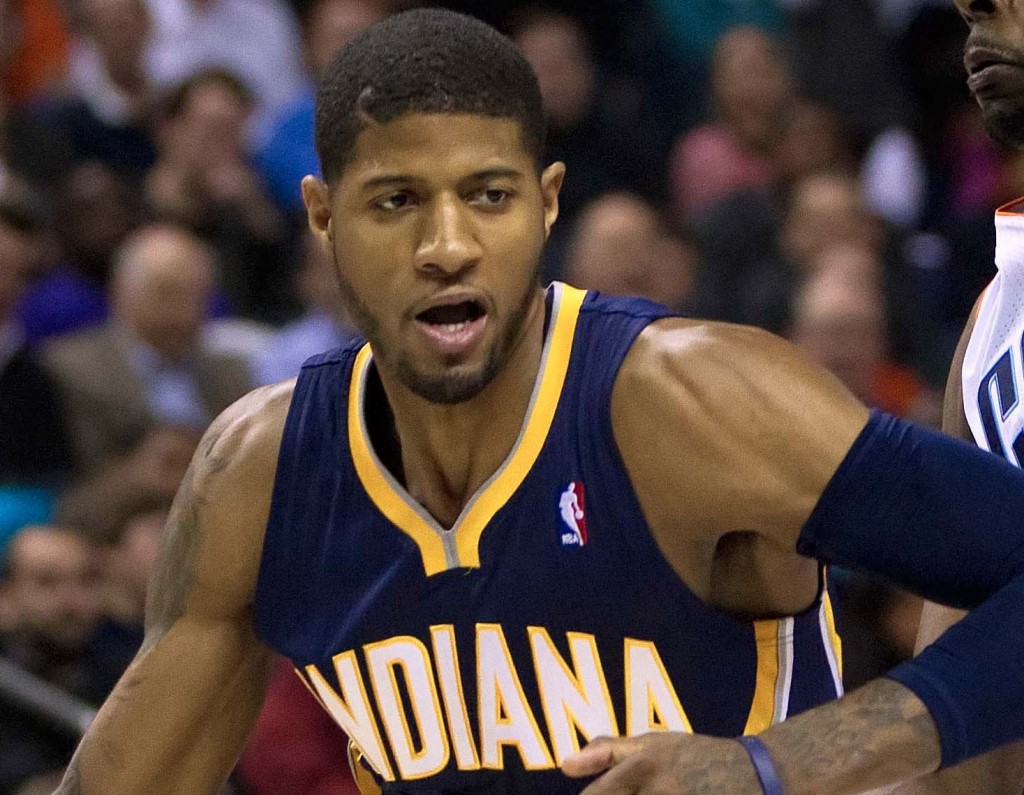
(491, 198)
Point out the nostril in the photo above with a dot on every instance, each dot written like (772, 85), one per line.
(981, 7)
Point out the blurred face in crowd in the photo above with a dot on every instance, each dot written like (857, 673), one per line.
(994, 59)
(161, 288)
(556, 47)
(334, 23)
(96, 215)
(826, 210)
(812, 141)
(21, 253)
(209, 129)
(53, 589)
(120, 30)
(621, 247)
(839, 321)
(751, 86)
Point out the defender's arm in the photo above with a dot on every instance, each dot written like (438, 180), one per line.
(178, 718)
(1001, 770)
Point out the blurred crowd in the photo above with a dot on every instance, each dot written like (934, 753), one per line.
(813, 167)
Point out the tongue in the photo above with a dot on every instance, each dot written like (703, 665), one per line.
(444, 315)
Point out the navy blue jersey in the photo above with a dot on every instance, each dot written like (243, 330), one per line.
(476, 658)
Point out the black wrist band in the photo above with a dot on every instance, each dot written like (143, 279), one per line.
(763, 765)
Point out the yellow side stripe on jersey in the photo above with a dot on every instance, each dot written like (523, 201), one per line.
(762, 707)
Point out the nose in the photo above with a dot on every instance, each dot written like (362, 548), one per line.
(448, 243)
(972, 10)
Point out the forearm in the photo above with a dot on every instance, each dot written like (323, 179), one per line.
(1001, 770)
(177, 719)
(878, 735)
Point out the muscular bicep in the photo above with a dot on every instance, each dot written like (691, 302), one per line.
(177, 719)
(728, 429)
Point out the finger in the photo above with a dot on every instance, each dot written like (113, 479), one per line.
(600, 755)
(628, 777)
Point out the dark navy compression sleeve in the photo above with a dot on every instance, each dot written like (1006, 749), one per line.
(945, 520)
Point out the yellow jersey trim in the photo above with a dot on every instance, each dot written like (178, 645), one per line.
(408, 516)
(762, 708)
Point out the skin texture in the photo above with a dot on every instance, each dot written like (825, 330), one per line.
(435, 203)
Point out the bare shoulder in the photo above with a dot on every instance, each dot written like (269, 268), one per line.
(722, 371)
(733, 420)
(210, 553)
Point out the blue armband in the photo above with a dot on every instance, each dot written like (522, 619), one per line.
(945, 520)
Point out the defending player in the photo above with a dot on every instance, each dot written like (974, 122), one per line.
(987, 377)
(520, 519)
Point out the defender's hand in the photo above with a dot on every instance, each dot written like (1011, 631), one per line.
(664, 764)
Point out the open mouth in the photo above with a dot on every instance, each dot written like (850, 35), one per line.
(453, 329)
(452, 316)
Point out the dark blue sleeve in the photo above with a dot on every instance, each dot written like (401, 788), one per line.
(945, 520)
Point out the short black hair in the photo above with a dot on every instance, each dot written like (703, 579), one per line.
(424, 61)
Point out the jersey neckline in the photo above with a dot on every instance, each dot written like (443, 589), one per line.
(459, 547)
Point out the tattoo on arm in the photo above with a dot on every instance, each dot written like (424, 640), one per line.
(179, 548)
(879, 734)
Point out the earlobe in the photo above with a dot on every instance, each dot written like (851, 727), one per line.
(550, 186)
(318, 208)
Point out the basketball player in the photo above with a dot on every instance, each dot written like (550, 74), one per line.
(540, 541)
(986, 379)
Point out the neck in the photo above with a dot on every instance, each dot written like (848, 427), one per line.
(449, 451)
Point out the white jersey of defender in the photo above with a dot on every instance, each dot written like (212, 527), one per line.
(993, 372)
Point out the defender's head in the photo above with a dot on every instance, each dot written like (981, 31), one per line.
(994, 59)
(434, 206)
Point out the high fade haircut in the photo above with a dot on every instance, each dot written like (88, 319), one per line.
(424, 61)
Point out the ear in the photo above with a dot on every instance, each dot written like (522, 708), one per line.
(550, 186)
(317, 199)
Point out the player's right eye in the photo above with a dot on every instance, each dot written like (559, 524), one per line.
(395, 201)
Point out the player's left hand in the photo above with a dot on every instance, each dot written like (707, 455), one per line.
(664, 763)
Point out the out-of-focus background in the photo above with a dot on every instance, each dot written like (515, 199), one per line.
(814, 167)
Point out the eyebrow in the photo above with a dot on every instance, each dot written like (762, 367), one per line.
(384, 180)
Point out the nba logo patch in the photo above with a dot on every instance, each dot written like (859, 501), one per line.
(572, 525)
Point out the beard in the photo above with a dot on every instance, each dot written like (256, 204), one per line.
(457, 384)
(1004, 120)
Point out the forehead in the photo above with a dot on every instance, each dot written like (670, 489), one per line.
(436, 148)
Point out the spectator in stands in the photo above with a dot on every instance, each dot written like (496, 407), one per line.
(603, 147)
(35, 449)
(324, 325)
(95, 212)
(839, 321)
(33, 48)
(257, 40)
(621, 245)
(52, 586)
(146, 366)
(141, 481)
(289, 154)
(203, 179)
(106, 114)
(753, 96)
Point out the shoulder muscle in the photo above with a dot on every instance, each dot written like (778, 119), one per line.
(730, 426)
